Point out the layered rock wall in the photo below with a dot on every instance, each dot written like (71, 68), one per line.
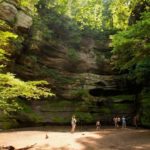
(82, 78)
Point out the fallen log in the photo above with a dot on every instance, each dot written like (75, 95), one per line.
(13, 148)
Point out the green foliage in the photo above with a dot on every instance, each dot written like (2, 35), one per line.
(2, 58)
(122, 97)
(85, 117)
(57, 105)
(5, 46)
(30, 4)
(145, 102)
(73, 55)
(83, 94)
(59, 119)
(26, 114)
(56, 26)
(86, 13)
(40, 28)
(4, 26)
(93, 14)
(5, 38)
(107, 22)
(10, 42)
(120, 11)
(64, 103)
(9, 123)
(104, 110)
(121, 107)
(57, 75)
(31, 60)
(81, 106)
(11, 88)
(132, 49)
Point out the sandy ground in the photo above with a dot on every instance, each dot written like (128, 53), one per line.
(60, 138)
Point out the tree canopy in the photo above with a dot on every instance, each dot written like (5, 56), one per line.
(132, 49)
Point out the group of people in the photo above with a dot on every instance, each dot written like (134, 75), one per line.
(117, 122)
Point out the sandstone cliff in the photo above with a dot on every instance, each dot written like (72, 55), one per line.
(81, 76)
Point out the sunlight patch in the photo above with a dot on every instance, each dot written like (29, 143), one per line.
(138, 147)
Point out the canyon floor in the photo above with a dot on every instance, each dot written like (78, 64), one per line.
(85, 138)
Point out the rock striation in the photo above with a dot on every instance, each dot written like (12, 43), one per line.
(82, 77)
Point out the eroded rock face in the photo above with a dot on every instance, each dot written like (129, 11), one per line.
(23, 20)
(8, 12)
(14, 2)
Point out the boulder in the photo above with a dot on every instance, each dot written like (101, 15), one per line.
(8, 12)
(23, 21)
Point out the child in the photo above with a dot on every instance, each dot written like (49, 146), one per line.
(98, 124)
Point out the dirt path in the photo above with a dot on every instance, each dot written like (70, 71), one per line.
(59, 138)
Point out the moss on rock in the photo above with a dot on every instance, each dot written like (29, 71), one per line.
(145, 109)
(120, 98)
(84, 117)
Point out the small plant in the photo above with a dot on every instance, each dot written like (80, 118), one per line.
(55, 74)
(73, 55)
(84, 117)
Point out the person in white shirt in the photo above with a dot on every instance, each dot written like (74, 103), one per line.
(123, 122)
(73, 123)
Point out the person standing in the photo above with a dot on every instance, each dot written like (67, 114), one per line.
(98, 125)
(73, 123)
(135, 121)
(115, 121)
(118, 121)
(123, 122)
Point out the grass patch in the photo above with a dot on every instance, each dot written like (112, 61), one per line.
(119, 98)
(120, 107)
(145, 102)
(55, 74)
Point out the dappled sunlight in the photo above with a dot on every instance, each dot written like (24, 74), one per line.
(142, 147)
(113, 139)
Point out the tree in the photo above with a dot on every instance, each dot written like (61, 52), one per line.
(10, 87)
(30, 4)
(86, 13)
(132, 49)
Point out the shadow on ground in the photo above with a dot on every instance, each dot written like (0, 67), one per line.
(118, 140)
(121, 139)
